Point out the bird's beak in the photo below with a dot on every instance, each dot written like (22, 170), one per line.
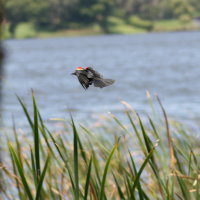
(73, 73)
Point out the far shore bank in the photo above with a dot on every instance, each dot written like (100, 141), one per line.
(26, 30)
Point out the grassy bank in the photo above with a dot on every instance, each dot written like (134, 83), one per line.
(158, 159)
(115, 26)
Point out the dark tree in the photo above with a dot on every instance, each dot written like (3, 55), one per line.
(1, 74)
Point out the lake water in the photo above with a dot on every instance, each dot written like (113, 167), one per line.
(164, 63)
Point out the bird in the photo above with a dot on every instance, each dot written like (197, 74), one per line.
(88, 76)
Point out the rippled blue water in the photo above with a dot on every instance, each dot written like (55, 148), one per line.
(164, 63)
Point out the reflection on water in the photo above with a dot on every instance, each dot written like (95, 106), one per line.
(164, 63)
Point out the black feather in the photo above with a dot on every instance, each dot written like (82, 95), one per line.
(89, 76)
(84, 81)
(100, 82)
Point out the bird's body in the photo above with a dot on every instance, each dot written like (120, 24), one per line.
(88, 76)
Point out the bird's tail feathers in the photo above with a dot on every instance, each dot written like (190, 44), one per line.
(100, 82)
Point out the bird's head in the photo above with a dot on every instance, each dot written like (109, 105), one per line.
(77, 69)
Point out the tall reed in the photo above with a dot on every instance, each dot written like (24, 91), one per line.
(151, 160)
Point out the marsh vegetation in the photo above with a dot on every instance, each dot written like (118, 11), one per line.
(148, 158)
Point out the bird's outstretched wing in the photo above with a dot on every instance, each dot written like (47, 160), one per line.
(84, 81)
(100, 82)
(92, 73)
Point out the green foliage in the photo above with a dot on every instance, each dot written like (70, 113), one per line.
(117, 25)
(16, 12)
(52, 15)
(133, 164)
(172, 25)
(25, 30)
(185, 18)
(102, 193)
(5, 31)
(137, 22)
(182, 7)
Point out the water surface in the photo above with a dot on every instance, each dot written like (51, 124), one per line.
(164, 63)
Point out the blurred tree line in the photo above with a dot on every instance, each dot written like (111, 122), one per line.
(61, 14)
(1, 78)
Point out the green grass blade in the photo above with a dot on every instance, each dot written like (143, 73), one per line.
(106, 171)
(136, 131)
(132, 197)
(152, 162)
(148, 157)
(197, 189)
(140, 191)
(21, 172)
(44, 134)
(16, 175)
(121, 194)
(88, 177)
(169, 137)
(184, 189)
(179, 164)
(147, 141)
(63, 159)
(154, 128)
(76, 175)
(93, 136)
(57, 147)
(26, 112)
(33, 167)
(39, 188)
(96, 167)
(82, 151)
(18, 145)
(120, 124)
(36, 138)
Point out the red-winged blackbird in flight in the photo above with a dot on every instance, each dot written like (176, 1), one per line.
(89, 76)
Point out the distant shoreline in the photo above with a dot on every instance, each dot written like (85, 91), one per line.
(101, 34)
(26, 30)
